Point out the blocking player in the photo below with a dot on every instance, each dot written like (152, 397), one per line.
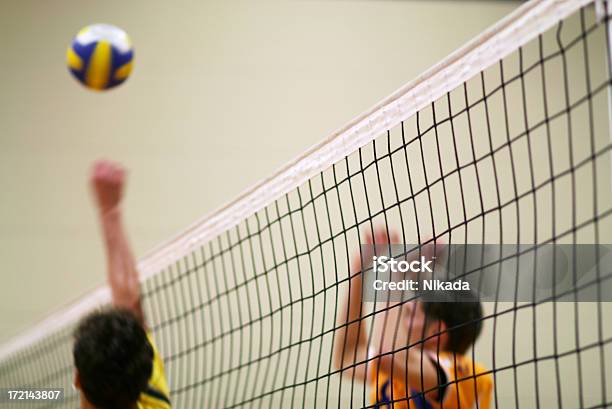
(117, 364)
(420, 361)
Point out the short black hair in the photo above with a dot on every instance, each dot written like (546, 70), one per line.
(114, 358)
(462, 314)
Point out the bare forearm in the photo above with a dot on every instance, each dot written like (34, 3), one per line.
(121, 265)
(351, 342)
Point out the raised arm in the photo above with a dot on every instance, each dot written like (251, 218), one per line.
(351, 342)
(350, 345)
(107, 181)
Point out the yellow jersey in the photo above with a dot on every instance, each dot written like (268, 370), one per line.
(156, 396)
(467, 386)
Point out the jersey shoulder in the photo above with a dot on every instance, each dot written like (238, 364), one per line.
(467, 382)
(156, 396)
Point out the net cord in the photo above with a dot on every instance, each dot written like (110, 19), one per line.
(513, 31)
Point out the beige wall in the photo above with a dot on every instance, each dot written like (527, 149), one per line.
(223, 93)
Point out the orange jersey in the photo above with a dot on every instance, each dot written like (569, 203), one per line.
(467, 386)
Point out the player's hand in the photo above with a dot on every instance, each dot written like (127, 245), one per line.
(380, 238)
(107, 182)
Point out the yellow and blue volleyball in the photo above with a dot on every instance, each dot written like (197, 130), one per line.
(100, 56)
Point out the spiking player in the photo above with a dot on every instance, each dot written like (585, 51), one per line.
(422, 364)
(117, 364)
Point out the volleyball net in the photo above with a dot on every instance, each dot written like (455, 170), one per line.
(506, 141)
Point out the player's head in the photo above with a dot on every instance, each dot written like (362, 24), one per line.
(113, 359)
(441, 322)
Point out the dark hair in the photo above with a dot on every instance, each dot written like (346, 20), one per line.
(113, 357)
(462, 314)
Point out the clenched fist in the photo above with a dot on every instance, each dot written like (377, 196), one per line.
(107, 181)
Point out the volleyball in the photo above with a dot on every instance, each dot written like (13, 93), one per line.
(100, 56)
